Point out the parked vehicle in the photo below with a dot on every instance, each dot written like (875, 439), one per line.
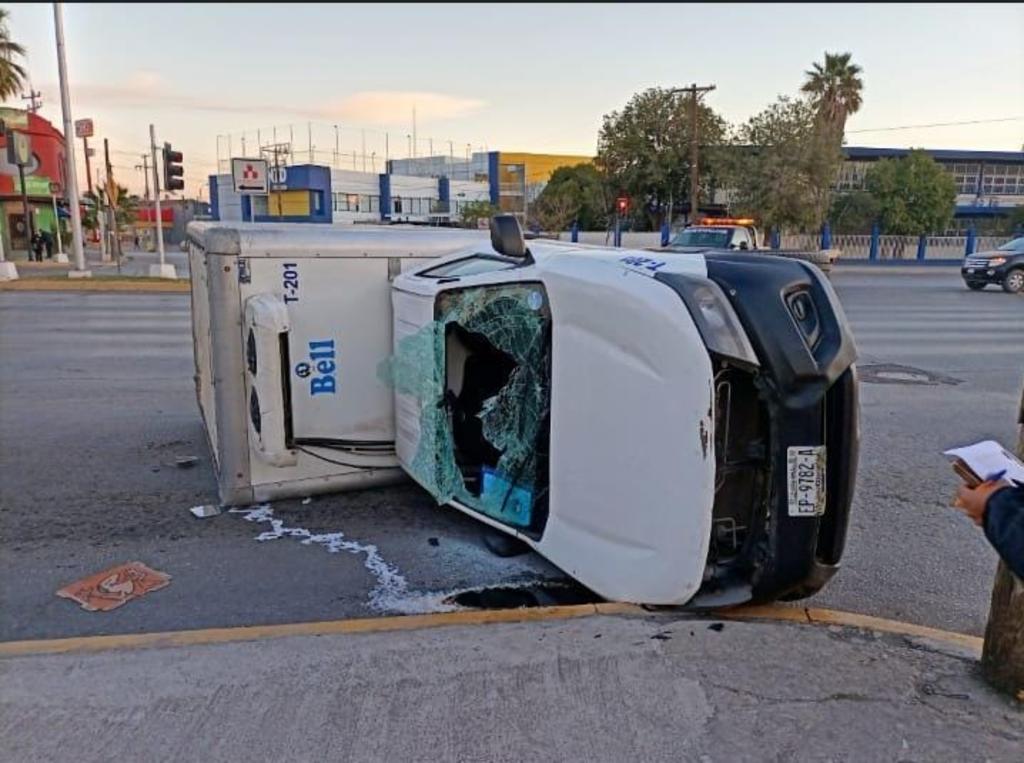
(1004, 266)
(666, 429)
(728, 234)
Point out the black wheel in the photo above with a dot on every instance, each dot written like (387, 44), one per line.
(1013, 283)
(975, 285)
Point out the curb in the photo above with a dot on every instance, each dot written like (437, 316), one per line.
(176, 286)
(768, 613)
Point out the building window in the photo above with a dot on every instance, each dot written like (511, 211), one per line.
(1003, 180)
(374, 204)
(397, 205)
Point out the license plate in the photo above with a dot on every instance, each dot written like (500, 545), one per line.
(806, 481)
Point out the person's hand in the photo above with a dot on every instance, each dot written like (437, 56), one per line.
(972, 500)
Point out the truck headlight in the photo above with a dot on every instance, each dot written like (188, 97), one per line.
(717, 322)
(996, 261)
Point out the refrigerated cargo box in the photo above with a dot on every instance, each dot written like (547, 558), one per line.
(289, 324)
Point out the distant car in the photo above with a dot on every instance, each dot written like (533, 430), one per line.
(1004, 266)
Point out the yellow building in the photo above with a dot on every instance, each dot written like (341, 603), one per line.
(516, 176)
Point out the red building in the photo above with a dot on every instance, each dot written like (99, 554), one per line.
(45, 176)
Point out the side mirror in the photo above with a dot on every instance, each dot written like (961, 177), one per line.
(507, 236)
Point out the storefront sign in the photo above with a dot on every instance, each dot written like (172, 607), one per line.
(83, 128)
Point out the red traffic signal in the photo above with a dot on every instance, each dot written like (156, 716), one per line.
(173, 171)
(622, 205)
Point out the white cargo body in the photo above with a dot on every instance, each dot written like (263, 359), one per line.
(289, 324)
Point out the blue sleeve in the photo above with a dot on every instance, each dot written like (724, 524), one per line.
(1004, 526)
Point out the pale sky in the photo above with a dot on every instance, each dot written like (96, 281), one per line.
(508, 77)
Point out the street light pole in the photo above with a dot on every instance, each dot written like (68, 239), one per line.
(79, 270)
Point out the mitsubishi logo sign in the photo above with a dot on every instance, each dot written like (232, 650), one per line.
(249, 175)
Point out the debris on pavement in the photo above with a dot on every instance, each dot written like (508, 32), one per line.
(717, 627)
(433, 541)
(186, 462)
(206, 510)
(391, 594)
(113, 587)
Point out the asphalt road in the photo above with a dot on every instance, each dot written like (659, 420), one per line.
(96, 401)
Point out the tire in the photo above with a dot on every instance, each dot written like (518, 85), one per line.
(976, 285)
(1013, 283)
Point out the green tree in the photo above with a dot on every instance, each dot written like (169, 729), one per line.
(573, 193)
(834, 88)
(781, 167)
(474, 211)
(853, 212)
(915, 194)
(12, 75)
(644, 151)
(127, 210)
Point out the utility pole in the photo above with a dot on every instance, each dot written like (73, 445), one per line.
(79, 270)
(88, 166)
(145, 175)
(112, 196)
(695, 92)
(34, 100)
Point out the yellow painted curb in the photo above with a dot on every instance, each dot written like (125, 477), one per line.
(776, 613)
(817, 616)
(326, 628)
(99, 283)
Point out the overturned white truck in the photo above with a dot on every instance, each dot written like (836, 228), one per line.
(666, 429)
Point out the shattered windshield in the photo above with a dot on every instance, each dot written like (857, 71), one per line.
(714, 238)
(480, 373)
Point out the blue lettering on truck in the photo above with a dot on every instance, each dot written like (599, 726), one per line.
(321, 369)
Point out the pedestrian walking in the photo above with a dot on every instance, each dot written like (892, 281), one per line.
(36, 243)
(48, 243)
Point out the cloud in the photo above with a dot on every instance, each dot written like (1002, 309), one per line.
(146, 89)
(395, 107)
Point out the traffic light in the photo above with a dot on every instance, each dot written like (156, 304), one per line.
(173, 170)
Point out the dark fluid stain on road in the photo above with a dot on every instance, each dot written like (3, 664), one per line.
(893, 373)
(542, 594)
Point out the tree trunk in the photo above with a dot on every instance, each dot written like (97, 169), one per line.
(1002, 658)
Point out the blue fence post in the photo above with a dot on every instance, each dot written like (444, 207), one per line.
(666, 232)
(617, 241)
(922, 245)
(776, 239)
(574, 234)
(971, 241)
(826, 236)
(876, 233)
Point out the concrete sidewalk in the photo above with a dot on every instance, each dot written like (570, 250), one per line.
(599, 688)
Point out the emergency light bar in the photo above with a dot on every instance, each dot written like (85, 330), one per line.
(726, 221)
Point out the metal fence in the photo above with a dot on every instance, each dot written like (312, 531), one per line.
(858, 247)
(850, 247)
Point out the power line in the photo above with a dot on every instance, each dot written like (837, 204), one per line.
(938, 124)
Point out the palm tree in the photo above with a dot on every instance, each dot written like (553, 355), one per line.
(835, 89)
(11, 74)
